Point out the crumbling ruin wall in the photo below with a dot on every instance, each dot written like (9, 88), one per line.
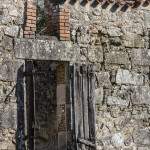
(116, 42)
(11, 21)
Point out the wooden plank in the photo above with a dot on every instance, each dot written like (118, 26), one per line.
(83, 107)
(85, 102)
(45, 107)
(74, 126)
(29, 104)
(87, 143)
(91, 99)
(78, 106)
(62, 141)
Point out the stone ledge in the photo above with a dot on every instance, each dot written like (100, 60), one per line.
(46, 50)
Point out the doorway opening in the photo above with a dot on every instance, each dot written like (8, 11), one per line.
(47, 105)
(59, 106)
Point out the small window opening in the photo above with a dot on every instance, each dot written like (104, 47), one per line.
(44, 17)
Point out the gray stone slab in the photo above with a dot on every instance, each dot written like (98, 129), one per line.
(117, 101)
(141, 57)
(46, 50)
(127, 77)
(103, 79)
(147, 18)
(133, 40)
(142, 137)
(9, 69)
(114, 57)
(95, 54)
(12, 31)
(99, 94)
(8, 116)
(140, 95)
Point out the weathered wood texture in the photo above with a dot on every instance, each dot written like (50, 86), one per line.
(48, 119)
(45, 107)
(83, 106)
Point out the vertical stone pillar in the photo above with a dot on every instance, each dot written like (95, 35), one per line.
(30, 19)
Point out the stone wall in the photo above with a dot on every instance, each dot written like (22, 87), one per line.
(116, 42)
(11, 20)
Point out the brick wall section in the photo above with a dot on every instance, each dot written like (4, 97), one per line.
(61, 23)
(30, 21)
(58, 24)
(64, 25)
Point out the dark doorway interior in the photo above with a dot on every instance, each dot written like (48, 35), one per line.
(47, 105)
(59, 106)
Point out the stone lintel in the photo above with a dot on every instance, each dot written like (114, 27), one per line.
(46, 50)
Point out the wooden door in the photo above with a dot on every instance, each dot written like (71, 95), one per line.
(83, 106)
(47, 113)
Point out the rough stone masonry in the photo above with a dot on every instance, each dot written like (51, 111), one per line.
(116, 42)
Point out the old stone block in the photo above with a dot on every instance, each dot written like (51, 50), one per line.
(117, 140)
(8, 117)
(114, 31)
(142, 137)
(143, 148)
(103, 79)
(7, 43)
(117, 101)
(99, 95)
(3, 145)
(6, 70)
(147, 18)
(9, 70)
(95, 54)
(127, 77)
(133, 40)
(141, 57)
(11, 31)
(114, 57)
(140, 95)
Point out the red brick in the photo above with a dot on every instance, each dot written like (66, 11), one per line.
(33, 21)
(66, 35)
(62, 20)
(28, 32)
(27, 28)
(64, 28)
(66, 31)
(33, 14)
(64, 39)
(67, 17)
(61, 17)
(67, 24)
(33, 29)
(27, 36)
(61, 24)
(67, 10)
(30, 10)
(28, 21)
(32, 36)
(29, 13)
(61, 31)
(31, 18)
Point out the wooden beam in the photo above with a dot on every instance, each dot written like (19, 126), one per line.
(86, 142)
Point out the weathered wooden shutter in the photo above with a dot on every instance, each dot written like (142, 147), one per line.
(83, 106)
